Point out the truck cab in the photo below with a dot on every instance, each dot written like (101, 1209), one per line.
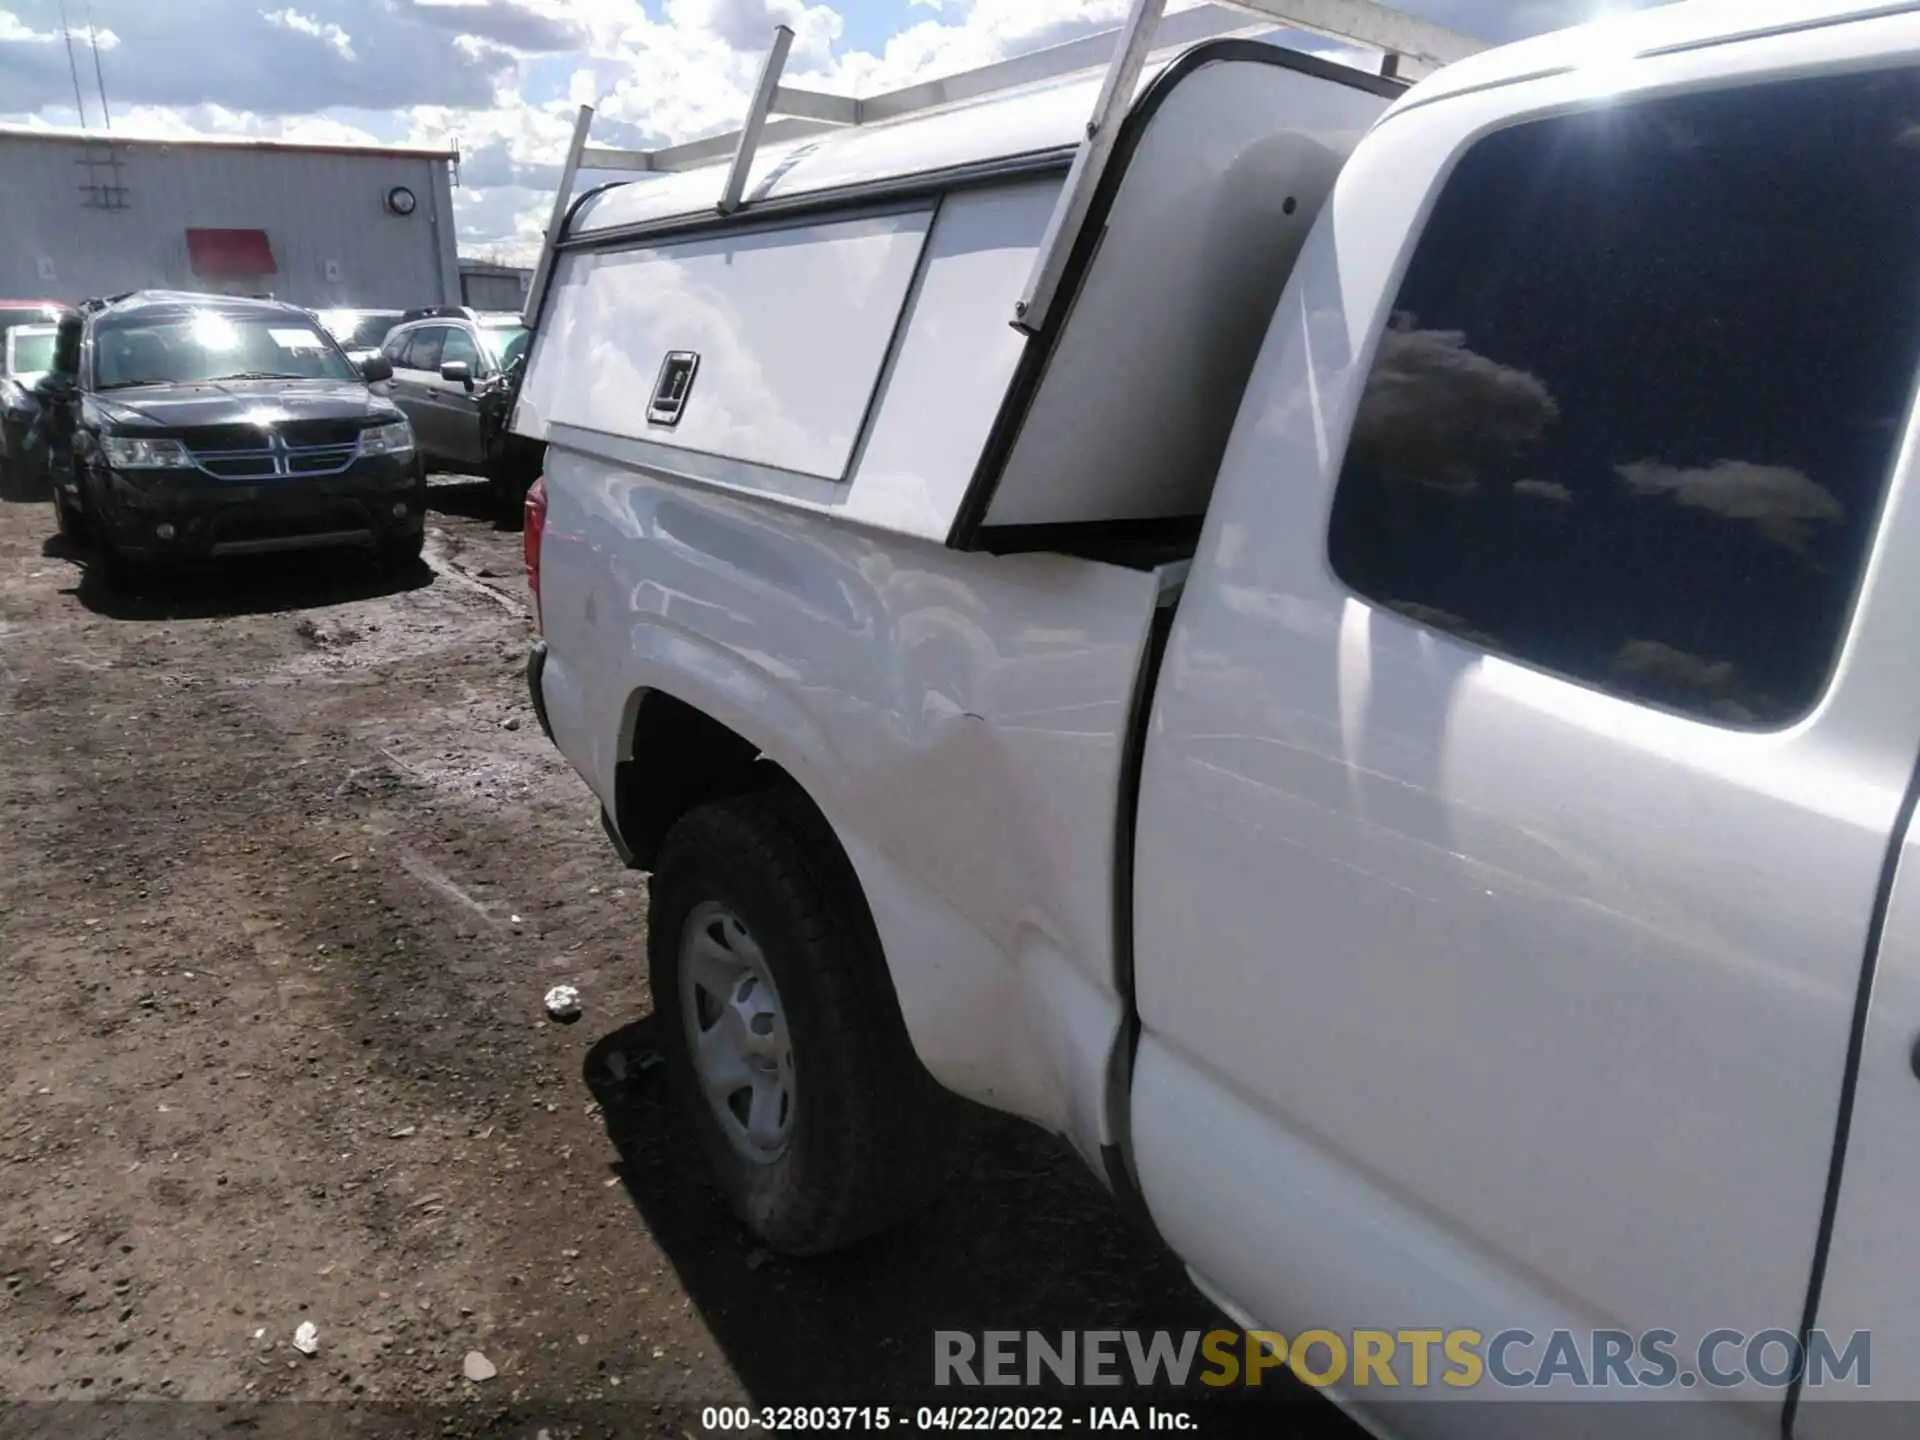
(1398, 739)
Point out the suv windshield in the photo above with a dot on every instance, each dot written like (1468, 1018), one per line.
(210, 345)
(506, 340)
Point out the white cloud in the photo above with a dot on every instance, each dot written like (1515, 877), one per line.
(989, 30)
(1777, 500)
(1438, 413)
(748, 24)
(1660, 671)
(291, 19)
(218, 120)
(15, 31)
(530, 26)
(305, 58)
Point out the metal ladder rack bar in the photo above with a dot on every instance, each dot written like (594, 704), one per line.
(1089, 162)
(1421, 46)
(1188, 27)
(811, 112)
(562, 198)
(763, 96)
(694, 154)
(1411, 48)
(819, 105)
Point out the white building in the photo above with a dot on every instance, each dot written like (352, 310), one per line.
(86, 214)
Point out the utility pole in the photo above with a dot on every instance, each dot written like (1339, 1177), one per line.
(73, 66)
(99, 74)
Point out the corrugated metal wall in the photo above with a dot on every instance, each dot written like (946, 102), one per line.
(81, 219)
(492, 288)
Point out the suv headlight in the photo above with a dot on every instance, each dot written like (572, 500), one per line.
(393, 439)
(123, 452)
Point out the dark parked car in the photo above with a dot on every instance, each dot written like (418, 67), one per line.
(198, 427)
(26, 342)
(26, 352)
(360, 332)
(29, 312)
(456, 374)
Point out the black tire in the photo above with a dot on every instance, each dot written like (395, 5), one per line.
(24, 474)
(509, 498)
(506, 485)
(72, 527)
(870, 1130)
(121, 574)
(399, 556)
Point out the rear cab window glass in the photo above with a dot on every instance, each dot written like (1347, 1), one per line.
(1635, 414)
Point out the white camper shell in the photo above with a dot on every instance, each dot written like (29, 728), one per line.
(1476, 887)
(991, 323)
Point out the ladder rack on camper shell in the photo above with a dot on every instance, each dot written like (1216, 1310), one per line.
(1410, 48)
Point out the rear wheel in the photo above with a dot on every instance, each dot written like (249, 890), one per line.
(782, 1030)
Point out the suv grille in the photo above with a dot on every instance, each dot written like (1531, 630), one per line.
(209, 439)
(206, 439)
(271, 456)
(319, 432)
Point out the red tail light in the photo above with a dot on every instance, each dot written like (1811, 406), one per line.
(536, 526)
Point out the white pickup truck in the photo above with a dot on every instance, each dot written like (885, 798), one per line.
(1341, 645)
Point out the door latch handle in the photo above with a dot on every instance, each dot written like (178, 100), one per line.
(671, 387)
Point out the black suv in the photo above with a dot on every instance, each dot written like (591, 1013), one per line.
(195, 427)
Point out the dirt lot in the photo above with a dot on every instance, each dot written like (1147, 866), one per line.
(287, 869)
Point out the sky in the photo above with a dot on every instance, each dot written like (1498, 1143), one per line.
(501, 79)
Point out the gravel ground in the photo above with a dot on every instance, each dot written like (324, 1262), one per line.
(287, 869)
